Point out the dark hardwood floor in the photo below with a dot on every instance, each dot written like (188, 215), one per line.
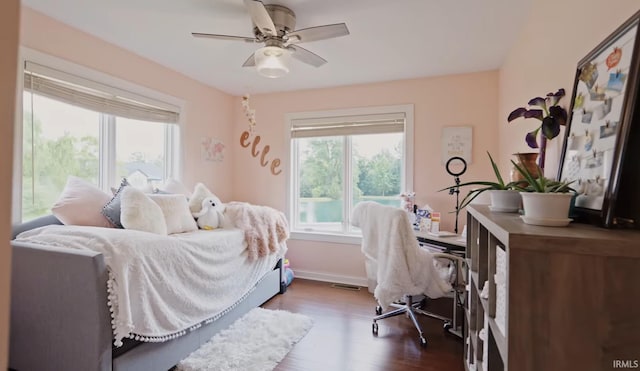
(341, 337)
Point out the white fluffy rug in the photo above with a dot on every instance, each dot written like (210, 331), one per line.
(256, 342)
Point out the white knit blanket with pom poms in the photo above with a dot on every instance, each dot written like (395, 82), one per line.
(160, 287)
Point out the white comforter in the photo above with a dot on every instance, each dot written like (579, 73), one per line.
(162, 286)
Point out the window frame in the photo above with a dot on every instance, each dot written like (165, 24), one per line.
(292, 184)
(173, 139)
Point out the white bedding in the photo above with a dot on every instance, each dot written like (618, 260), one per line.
(162, 286)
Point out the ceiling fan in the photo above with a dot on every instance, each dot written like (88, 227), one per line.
(274, 25)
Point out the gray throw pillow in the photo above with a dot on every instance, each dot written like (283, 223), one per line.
(111, 209)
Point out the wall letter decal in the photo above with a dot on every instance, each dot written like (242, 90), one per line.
(255, 153)
(243, 139)
(246, 142)
(265, 150)
(274, 164)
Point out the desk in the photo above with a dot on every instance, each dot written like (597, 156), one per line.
(451, 245)
(445, 244)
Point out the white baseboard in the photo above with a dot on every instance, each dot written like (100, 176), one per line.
(324, 277)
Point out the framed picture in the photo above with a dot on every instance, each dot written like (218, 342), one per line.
(456, 142)
(603, 110)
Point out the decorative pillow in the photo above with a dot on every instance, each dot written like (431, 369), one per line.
(176, 212)
(147, 188)
(173, 186)
(199, 194)
(80, 203)
(111, 210)
(139, 212)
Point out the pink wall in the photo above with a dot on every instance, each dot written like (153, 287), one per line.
(543, 60)
(208, 111)
(556, 36)
(9, 29)
(457, 100)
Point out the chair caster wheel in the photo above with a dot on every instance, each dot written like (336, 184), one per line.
(423, 303)
(378, 310)
(447, 326)
(423, 342)
(374, 328)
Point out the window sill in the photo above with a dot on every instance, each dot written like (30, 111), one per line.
(327, 237)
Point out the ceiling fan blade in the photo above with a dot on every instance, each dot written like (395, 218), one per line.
(261, 17)
(303, 55)
(250, 62)
(224, 37)
(318, 33)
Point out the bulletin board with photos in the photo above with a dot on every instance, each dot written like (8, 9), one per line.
(602, 111)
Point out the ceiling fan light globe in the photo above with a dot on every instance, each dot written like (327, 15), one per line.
(272, 61)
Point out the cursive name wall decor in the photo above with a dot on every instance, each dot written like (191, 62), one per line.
(246, 142)
(245, 139)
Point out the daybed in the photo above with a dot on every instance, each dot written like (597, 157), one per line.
(60, 319)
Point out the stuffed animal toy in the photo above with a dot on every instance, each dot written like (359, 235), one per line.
(211, 215)
(408, 200)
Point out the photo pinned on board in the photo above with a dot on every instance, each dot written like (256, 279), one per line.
(597, 93)
(578, 103)
(595, 187)
(595, 160)
(616, 81)
(614, 58)
(588, 141)
(572, 170)
(608, 129)
(603, 109)
(589, 75)
(575, 142)
(586, 116)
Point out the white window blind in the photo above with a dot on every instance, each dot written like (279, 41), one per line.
(95, 96)
(348, 125)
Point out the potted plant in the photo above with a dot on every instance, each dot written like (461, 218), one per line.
(545, 201)
(551, 116)
(505, 197)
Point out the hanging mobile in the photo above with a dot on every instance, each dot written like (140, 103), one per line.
(456, 176)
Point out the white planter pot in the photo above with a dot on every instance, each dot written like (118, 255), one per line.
(505, 201)
(482, 199)
(550, 209)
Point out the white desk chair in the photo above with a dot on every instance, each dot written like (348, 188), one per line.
(404, 270)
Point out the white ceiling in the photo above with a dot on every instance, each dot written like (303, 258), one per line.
(389, 40)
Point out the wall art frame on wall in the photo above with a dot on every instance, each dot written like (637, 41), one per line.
(457, 141)
(211, 149)
(603, 121)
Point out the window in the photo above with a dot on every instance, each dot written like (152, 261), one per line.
(142, 162)
(340, 158)
(73, 126)
(59, 141)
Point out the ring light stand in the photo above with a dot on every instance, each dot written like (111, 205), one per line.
(456, 190)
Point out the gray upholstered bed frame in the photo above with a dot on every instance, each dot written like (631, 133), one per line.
(60, 319)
